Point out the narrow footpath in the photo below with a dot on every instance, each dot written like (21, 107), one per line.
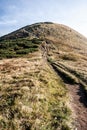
(79, 104)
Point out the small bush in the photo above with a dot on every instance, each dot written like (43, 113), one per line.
(36, 41)
(65, 127)
(69, 57)
(25, 51)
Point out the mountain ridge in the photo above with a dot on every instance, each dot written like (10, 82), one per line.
(42, 23)
(43, 71)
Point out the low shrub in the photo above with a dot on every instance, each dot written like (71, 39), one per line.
(18, 47)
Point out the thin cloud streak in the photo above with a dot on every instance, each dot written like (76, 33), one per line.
(8, 22)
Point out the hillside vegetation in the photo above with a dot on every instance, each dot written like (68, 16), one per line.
(37, 63)
(11, 48)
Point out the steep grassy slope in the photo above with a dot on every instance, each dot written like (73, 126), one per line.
(34, 96)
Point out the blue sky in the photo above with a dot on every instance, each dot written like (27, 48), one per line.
(18, 13)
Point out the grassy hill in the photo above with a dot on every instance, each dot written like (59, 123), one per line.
(37, 63)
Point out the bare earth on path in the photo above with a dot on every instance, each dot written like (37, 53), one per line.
(79, 104)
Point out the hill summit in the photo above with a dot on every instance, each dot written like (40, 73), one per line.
(43, 78)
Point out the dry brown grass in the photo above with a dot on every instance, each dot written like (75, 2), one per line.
(32, 96)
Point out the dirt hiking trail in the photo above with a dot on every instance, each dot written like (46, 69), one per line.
(79, 104)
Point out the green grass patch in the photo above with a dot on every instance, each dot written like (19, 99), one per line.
(18, 47)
